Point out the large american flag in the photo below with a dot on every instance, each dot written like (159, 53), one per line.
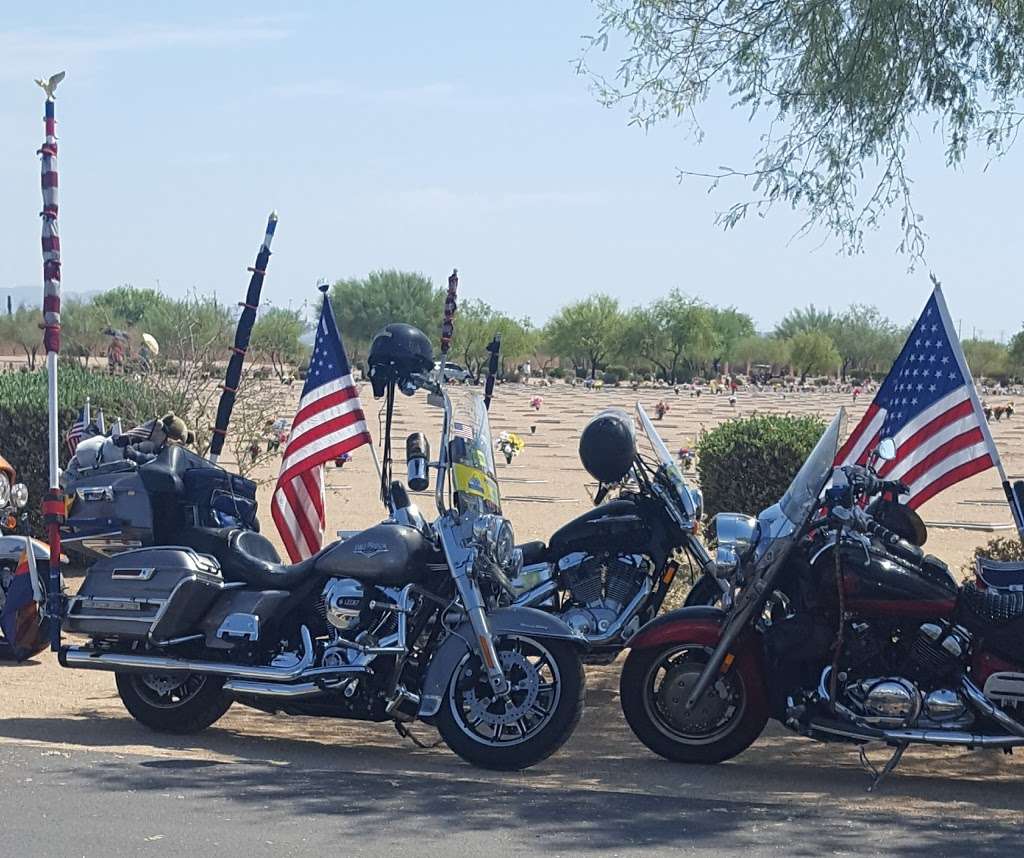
(329, 422)
(929, 407)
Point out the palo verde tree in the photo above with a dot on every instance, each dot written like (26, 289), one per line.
(836, 88)
(277, 337)
(587, 332)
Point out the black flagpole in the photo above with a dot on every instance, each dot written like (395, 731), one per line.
(246, 320)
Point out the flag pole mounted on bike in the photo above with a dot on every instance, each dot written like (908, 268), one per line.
(929, 407)
(53, 503)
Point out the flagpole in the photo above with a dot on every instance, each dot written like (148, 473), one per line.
(53, 503)
(1011, 498)
(247, 318)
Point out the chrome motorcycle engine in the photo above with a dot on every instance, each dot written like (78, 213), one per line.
(600, 588)
(342, 603)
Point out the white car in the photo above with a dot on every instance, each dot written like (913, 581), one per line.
(453, 372)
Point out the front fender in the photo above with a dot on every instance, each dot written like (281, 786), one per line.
(696, 624)
(527, 621)
(702, 624)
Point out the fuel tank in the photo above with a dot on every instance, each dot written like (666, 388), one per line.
(611, 526)
(879, 585)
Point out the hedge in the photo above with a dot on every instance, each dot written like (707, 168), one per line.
(23, 417)
(746, 465)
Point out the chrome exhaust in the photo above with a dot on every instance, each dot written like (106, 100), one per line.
(272, 689)
(928, 737)
(989, 709)
(89, 659)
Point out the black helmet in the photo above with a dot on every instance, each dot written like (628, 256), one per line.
(396, 353)
(608, 445)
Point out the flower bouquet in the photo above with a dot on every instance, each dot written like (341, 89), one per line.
(536, 403)
(509, 445)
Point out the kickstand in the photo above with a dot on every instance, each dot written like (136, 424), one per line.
(879, 776)
(406, 733)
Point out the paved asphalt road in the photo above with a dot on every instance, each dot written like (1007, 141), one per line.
(91, 782)
(112, 805)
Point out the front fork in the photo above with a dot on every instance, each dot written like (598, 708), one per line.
(460, 562)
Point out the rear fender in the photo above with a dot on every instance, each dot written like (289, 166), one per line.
(526, 621)
(702, 624)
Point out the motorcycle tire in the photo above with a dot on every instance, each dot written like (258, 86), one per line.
(553, 734)
(635, 697)
(203, 706)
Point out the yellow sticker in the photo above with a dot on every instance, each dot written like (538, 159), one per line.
(473, 481)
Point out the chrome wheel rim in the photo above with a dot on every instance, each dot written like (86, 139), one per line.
(505, 721)
(667, 686)
(168, 690)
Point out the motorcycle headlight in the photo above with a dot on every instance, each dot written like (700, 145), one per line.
(19, 495)
(494, 535)
(5, 491)
(735, 535)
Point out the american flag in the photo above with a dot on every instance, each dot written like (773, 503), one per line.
(929, 407)
(77, 431)
(329, 422)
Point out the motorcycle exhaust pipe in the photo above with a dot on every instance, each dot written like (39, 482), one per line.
(927, 737)
(88, 659)
(989, 709)
(272, 689)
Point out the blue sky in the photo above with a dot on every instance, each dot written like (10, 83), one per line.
(425, 136)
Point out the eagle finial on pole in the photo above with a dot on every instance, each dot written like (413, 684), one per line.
(50, 85)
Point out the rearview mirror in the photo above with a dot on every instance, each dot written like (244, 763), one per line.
(886, 450)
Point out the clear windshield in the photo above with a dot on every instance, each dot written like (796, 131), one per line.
(803, 494)
(471, 452)
(669, 466)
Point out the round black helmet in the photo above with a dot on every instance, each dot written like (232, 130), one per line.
(396, 353)
(608, 445)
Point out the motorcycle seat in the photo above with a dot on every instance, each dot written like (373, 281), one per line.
(533, 552)
(1001, 574)
(245, 555)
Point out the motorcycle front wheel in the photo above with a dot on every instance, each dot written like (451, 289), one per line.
(525, 726)
(654, 687)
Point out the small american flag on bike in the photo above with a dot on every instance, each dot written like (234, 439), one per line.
(329, 423)
(76, 432)
(929, 407)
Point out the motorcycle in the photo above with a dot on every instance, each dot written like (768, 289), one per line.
(24, 630)
(606, 573)
(840, 629)
(408, 620)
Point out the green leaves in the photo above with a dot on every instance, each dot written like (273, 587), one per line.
(836, 89)
(746, 465)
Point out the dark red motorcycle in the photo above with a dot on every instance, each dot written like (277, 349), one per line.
(839, 628)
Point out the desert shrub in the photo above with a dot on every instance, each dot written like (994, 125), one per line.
(622, 372)
(999, 548)
(556, 372)
(746, 465)
(23, 417)
(610, 378)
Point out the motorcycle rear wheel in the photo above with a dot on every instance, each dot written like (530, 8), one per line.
(655, 683)
(534, 721)
(163, 704)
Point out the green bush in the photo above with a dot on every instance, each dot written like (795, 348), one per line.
(610, 378)
(622, 372)
(746, 465)
(556, 372)
(23, 417)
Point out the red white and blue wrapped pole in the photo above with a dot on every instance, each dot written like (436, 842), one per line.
(53, 503)
(448, 323)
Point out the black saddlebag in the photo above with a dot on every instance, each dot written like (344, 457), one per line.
(216, 498)
(162, 593)
(996, 617)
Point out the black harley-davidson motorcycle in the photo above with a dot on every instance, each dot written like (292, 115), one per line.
(606, 573)
(408, 620)
(840, 629)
